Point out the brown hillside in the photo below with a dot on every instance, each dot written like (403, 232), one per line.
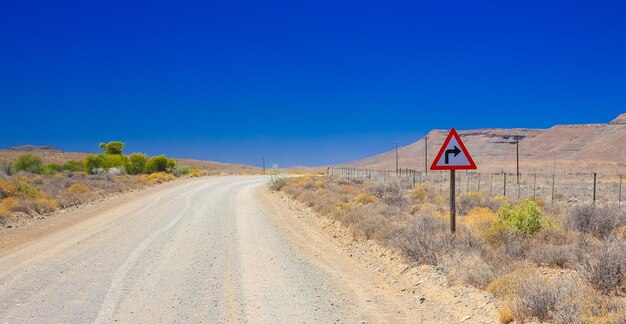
(566, 148)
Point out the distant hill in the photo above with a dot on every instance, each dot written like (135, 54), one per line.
(33, 148)
(566, 148)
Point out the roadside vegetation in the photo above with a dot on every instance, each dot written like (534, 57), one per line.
(30, 188)
(563, 265)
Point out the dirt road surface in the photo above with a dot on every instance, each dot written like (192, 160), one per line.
(209, 250)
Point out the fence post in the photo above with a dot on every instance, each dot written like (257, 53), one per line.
(519, 186)
(619, 199)
(535, 186)
(504, 184)
(440, 182)
(594, 187)
(553, 188)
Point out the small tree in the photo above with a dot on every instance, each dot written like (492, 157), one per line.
(157, 164)
(28, 163)
(116, 148)
(136, 163)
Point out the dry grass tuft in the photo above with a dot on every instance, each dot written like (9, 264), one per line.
(420, 192)
(479, 219)
(364, 199)
(158, 177)
(505, 315)
(194, 173)
(78, 188)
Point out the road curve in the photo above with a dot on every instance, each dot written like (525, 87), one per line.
(204, 251)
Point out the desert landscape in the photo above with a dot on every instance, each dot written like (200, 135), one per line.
(325, 162)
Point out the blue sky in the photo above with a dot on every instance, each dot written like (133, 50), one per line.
(300, 82)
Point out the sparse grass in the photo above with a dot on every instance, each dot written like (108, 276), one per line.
(499, 246)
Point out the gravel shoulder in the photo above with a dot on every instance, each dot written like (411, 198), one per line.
(410, 294)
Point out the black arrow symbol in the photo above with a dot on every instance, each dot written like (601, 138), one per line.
(456, 152)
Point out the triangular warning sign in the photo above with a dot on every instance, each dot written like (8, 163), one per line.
(453, 155)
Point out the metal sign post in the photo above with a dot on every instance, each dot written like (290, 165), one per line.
(452, 201)
(453, 156)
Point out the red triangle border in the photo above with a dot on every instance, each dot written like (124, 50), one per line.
(471, 166)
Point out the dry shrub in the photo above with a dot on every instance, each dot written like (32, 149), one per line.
(555, 247)
(7, 189)
(473, 270)
(6, 205)
(554, 255)
(474, 199)
(26, 190)
(536, 296)
(391, 192)
(78, 188)
(427, 240)
(532, 295)
(158, 177)
(45, 205)
(479, 219)
(605, 268)
(420, 192)
(599, 221)
(364, 199)
(194, 173)
(372, 221)
(506, 240)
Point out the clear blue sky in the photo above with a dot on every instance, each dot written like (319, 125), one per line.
(300, 82)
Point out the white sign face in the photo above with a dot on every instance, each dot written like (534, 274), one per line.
(453, 155)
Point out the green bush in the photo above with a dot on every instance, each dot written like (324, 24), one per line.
(51, 169)
(160, 164)
(115, 148)
(27, 190)
(524, 217)
(28, 163)
(93, 162)
(182, 171)
(114, 161)
(73, 166)
(136, 163)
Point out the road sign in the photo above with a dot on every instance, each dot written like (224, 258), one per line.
(453, 155)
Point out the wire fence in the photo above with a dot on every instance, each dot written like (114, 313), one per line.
(551, 188)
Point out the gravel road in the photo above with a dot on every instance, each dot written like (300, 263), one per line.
(207, 250)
